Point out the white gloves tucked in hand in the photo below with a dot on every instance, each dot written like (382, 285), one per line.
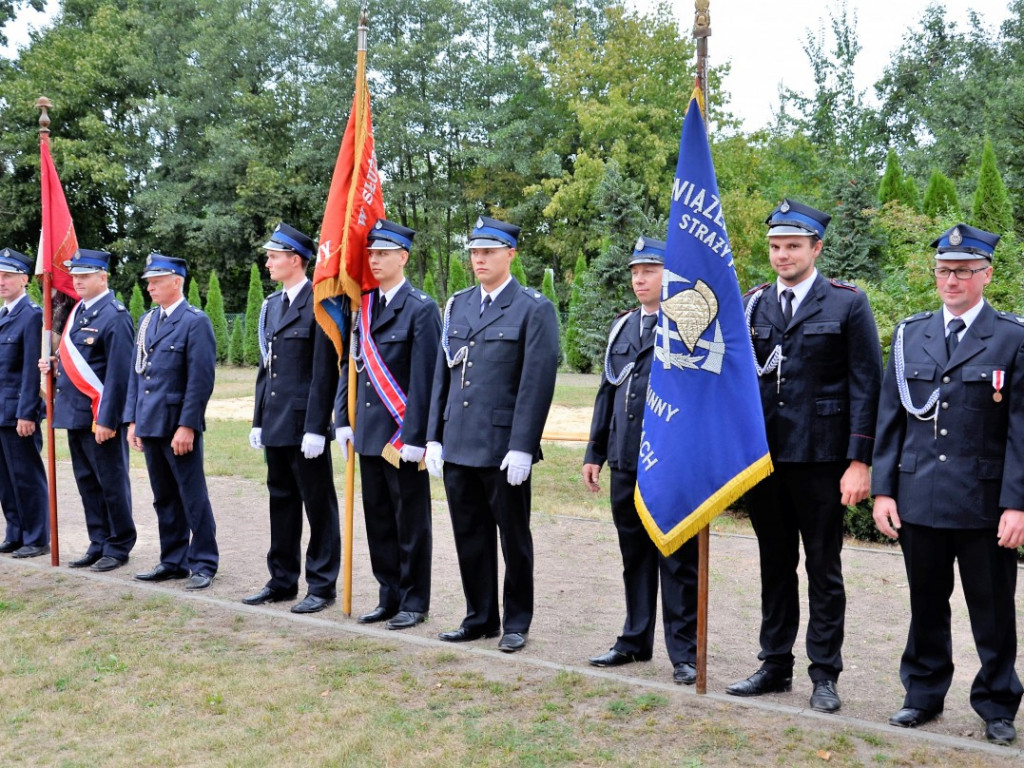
(433, 459)
(519, 464)
(344, 438)
(312, 445)
(412, 453)
(256, 438)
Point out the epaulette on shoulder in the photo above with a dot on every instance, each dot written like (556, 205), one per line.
(756, 288)
(626, 312)
(118, 306)
(533, 294)
(195, 310)
(464, 290)
(844, 284)
(1010, 317)
(919, 316)
(33, 305)
(418, 295)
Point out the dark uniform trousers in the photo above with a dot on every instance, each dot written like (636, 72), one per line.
(495, 401)
(615, 433)
(103, 335)
(952, 479)
(23, 491)
(396, 501)
(820, 409)
(173, 389)
(294, 396)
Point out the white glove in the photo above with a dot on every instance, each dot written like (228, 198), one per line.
(344, 438)
(519, 464)
(256, 438)
(412, 453)
(433, 458)
(312, 445)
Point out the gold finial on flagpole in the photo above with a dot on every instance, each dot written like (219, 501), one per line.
(43, 103)
(701, 19)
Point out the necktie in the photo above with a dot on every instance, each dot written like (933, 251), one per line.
(383, 302)
(953, 337)
(3, 312)
(485, 304)
(285, 304)
(160, 317)
(647, 328)
(787, 305)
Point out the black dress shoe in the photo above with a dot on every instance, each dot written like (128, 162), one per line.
(162, 573)
(512, 641)
(761, 682)
(380, 613)
(824, 697)
(31, 551)
(8, 546)
(406, 619)
(911, 717)
(1000, 731)
(463, 635)
(85, 560)
(684, 673)
(107, 563)
(312, 604)
(615, 658)
(199, 581)
(269, 595)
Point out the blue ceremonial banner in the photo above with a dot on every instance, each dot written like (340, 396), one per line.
(704, 442)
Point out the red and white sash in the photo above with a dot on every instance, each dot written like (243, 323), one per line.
(384, 383)
(82, 376)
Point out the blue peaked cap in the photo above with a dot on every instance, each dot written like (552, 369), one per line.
(964, 242)
(157, 264)
(288, 238)
(648, 251)
(491, 233)
(386, 235)
(85, 262)
(13, 261)
(793, 218)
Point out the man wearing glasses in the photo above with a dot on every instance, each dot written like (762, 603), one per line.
(949, 481)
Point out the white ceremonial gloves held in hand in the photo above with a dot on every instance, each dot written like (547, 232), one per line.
(312, 445)
(412, 453)
(256, 438)
(344, 438)
(433, 459)
(519, 464)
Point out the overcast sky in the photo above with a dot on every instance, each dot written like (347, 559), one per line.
(763, 39)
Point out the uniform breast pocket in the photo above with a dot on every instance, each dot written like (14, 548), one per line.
(978, 389)
(762, 338)
(397, 336)
(501, 343)
(920, 381)
(293, 342)
(824, 340)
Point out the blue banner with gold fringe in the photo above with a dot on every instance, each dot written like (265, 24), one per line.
(704, 442)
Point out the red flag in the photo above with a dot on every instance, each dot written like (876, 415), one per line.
(58, 243)
(354, 204)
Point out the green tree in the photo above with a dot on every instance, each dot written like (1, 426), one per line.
(137, 305)
(852, 243)
(236, 347)
(35, 291)
(253, 305)
(992, 210)
(193, 293)
(548, 289)
(911, 194)
(518, 272)
(940, 197)
(891, 186)
(458, 277)
(430, 287)
(573, 352)
(215, 311)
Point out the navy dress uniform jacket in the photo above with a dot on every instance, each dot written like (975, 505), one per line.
(615, 432)
(103, 334)
(498, 399)
(406, 333)
(964, 470)
(822, 403)
(295, 393)
(23, 493)
(177, 381)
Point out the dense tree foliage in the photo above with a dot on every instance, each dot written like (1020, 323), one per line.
(192, 127)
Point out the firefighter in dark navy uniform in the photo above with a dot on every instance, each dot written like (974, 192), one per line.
(175, 366)
(820, 367)
(493, 384)
(96, 349)
(404, 326)
(615, 438)
(23, 493)
(949, 482)
(295, 388)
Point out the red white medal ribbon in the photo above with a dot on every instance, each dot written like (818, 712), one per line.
(997, 384)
